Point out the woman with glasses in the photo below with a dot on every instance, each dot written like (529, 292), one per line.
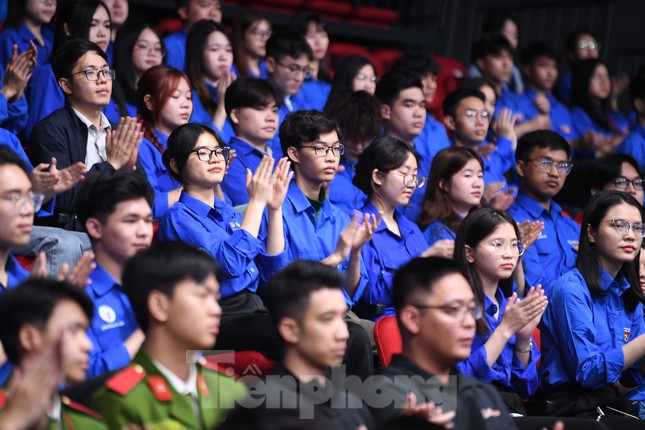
(618, 172)
(488, 249)
(355, 73)
(137, 48)
(456, 186)
(164, 102)
(209, 66)
(251, 31)
(592, 336)
(387, 172)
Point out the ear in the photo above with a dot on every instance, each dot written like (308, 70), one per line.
(173, 166)
(158, 305)
(469, 254)
(65, 85)
(410, 319)
(593, 191)
(94, 228)
(147, 100)
(591, 235)
(480, 63)
(442, 186)
(66, 29)
(449, 122)
(183, 13)
(292, 153)
(289, 330)
(270, 63)
(385, 111)
(639, 105)
(235, 116)
(519, 167)
(376, 177)
(29, 338)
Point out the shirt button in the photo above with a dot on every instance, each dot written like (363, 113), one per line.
(252, 270)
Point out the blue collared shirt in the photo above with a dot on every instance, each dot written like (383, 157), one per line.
(561, 121)
(315, 239)
(176, 49)
(385, 253)
(217, 230)
(201, 116)
(112, 324)
(507, 369)
(436, 231)
(246, 157)
(634, 145)
(13, 115)
(15, 275)
(582, 123)
(433, 138)
(264, 73)
(510, 100)
(583, 335)
(414, 206)
(342, 192)
(158, 175)
(314, 94)
(555, 251)
(21, 36)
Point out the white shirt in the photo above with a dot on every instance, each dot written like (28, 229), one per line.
(287, 103)
(95, 139)
(183, 388)
(54, 414)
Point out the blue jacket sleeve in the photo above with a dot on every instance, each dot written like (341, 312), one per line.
(45, 96)
(575, 334)
(103, 361)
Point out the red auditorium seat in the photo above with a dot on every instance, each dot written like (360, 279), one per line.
(168, 26)
(330, 9)
(448, 80)
(388, 339)
(374, 16)
(242, 363)
(384, 59)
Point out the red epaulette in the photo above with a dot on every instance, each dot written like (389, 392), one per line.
(160, 388)
(125, 380)
(80, 408)
(3, 399)
(217, 367)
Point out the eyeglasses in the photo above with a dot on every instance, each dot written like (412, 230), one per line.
(21, 201)
(364, 77)
(623, 226)
(594, 46)
(412, 181)
(323, 151)
(260, 34)
(93, 74)
(154, 49)
(516, 246)
(622, 183)
(456, 311)
(546, 164)
(471, 114)
(295, 69)
(602, 77)
(206, 155)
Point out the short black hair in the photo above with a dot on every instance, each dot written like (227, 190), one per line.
(532, 52)
(540, 139)
(33, 302)
(418, 276)
(384, 154)
(390, 86)
(358, 116)
(304, 126)
(492, 45)
(99, 194)
(453, 99)
(288, 293)
(419, 63)
(161, 268)
(637, 87)
(65, 58)
(287, 43)
(607, 168)
(247, 92)
(8, 156)
(181, 143)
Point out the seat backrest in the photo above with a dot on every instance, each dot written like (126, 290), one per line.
(388, 339)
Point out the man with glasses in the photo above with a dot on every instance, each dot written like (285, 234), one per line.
(542, 166)
(315, 229)
(80, 132)
(468, 121)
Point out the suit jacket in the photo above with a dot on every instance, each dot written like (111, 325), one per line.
(140, 394)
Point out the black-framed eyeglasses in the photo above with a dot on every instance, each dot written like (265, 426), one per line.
(322, 150)
(94, 74)
(206, 154)
(456, 311)
(471, 114)
(295, 69)
(622, 227)
(20, 201)
(410, 180)
(546, 164)
(622, 183)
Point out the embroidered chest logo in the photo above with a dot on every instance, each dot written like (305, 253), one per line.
(107, 314)
(626, 332)
(574, 244)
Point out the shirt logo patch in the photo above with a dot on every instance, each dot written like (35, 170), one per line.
(626, 332)
(107, 314)
(574, 244)
(489, 413)
(234, 225)
(565, 129)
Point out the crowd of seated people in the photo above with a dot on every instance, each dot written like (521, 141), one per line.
(162, 197)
